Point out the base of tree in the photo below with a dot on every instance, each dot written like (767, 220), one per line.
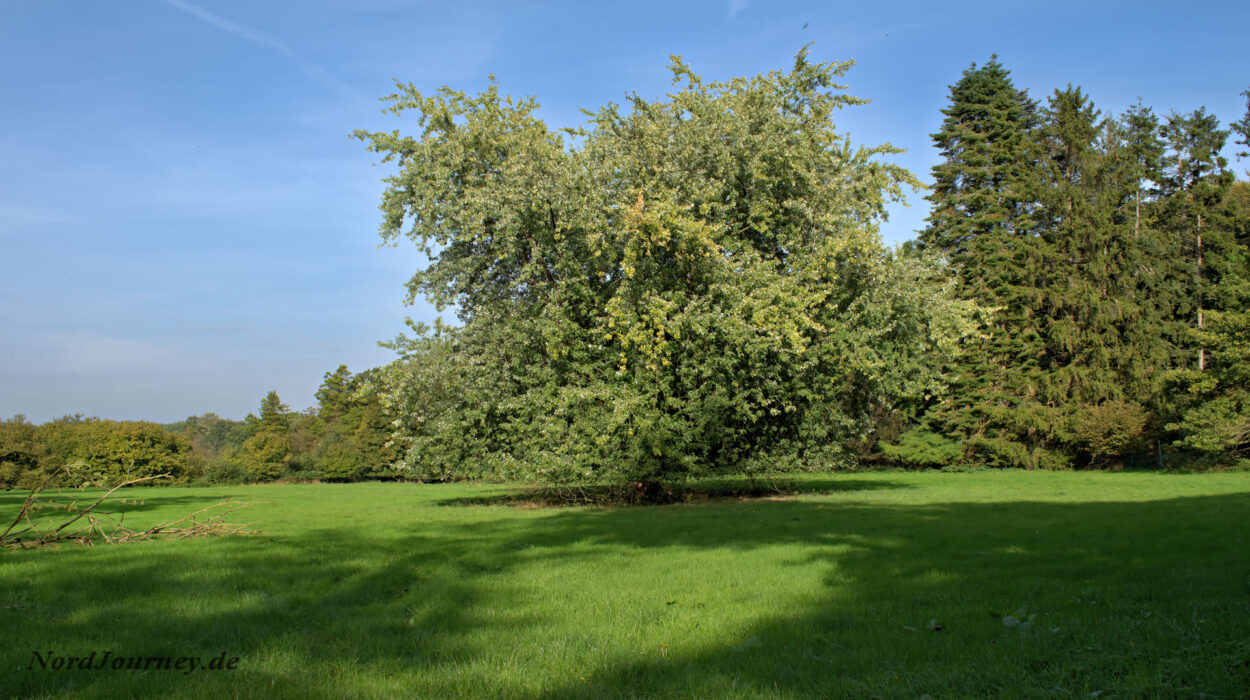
(638, 493)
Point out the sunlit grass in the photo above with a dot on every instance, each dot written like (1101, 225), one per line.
(1130, 584)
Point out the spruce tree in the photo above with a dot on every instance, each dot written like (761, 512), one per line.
(1217, 420)
(1204, 215)
(1195, 183)
(979, 197)
(1152, 277)
(1242, 128)
(1081, 256)
(1103, 353)
(983, 221)
(1141, 151)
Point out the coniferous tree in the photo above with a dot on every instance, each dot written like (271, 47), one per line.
(980, 194)
(355, 442)
(1217, 420)
(274, 415)
(1104, 354)
(1242, 128)
(1082, 257)
(1151, 276)
(1195, 182)
(983, 221)
(267, 452)
(334, 397)
(1142, 151)
(1106, 248)
(1199, 222)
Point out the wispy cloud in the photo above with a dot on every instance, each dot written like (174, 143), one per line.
(736, 6)
(260, 38)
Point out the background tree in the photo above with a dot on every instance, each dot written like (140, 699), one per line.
(1242, 128)
(1105, 352)
(275, 416)
(110, 452)
(75, 450)
(355, 439)
(216, 443)
(1195, 181)
(266, 453)
(334, 397)
(1216, 417)
(22, 453)
(1141, 151)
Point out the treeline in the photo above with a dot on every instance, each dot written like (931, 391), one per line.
(74, 450)
(1112, 252)
(344, 438)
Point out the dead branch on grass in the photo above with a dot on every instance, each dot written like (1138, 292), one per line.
(96, 525)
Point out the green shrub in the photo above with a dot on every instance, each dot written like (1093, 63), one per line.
(921, 447)
(1111, 430)
(338, 459)
(224, 472)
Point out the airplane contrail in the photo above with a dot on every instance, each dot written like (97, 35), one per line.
(260, 38)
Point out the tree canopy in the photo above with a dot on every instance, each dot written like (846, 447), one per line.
(693, 285)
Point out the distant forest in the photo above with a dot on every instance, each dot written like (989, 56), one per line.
(343, 438)
(1093, 271)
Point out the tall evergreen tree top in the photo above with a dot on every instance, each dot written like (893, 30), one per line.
(1141, 144)
(1195, 141)
(1072, 128)
(984, 142)
(1242, 128)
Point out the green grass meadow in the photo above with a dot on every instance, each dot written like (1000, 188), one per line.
(867, 585)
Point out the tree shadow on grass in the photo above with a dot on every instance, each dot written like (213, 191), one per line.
(980, 600)
(124, 501)
(702, 491)
(1145, 598)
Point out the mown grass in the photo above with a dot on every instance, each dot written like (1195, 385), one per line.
(1138, 585)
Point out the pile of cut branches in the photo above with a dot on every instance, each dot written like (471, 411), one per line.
(87, 525)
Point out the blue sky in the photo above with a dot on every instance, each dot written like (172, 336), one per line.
(185, 224)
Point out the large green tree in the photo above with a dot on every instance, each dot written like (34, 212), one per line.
(981, 196)
(693, 285)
